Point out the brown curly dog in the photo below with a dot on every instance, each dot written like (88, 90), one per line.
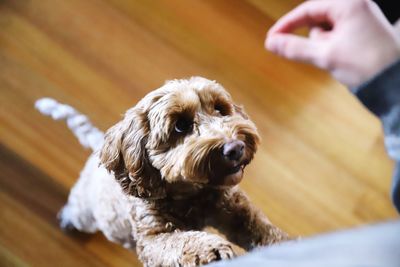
(168, 169)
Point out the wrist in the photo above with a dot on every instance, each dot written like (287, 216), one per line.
(387, 53)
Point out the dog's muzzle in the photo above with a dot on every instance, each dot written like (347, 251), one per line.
(228, 164)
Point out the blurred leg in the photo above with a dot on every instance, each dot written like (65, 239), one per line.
(375, 245)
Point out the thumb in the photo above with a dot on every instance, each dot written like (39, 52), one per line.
(295, 47)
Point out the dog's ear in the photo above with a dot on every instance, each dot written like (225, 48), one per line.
(240, 110)
(124, 153)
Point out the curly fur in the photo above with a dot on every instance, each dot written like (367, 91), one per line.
(155, 187)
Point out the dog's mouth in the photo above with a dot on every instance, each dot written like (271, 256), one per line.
(235, 169)
(228, 175)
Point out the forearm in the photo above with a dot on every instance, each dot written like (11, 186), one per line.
(246, 225)
(381, 95)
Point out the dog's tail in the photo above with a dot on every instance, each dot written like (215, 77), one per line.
(88, 135)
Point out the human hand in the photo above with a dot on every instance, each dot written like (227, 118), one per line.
(350, 39)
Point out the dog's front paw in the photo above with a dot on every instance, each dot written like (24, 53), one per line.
(205, 251)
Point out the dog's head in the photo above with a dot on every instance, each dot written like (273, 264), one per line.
(187, 131)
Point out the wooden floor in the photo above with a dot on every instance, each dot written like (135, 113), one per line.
(321, 165)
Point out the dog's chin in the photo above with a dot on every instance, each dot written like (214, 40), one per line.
(233, 178)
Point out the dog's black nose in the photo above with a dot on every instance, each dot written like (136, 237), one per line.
(233, 150)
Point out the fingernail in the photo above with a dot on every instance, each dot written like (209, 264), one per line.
(270, 44)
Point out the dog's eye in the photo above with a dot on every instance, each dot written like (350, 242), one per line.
(221, 109)
(183, 125)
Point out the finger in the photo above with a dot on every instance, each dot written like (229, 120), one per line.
(318, 33)
(295, 48)
(308, 14)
